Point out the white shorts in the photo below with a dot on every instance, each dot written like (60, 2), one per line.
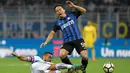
(40, 67)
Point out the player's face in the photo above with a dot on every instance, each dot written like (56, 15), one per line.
(60, 12)
(89, 23)
(47, 57)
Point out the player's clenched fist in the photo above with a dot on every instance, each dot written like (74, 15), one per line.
(71, 4)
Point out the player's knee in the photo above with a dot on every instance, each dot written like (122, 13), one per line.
(84, 57)
(84, 54)
(63, 55)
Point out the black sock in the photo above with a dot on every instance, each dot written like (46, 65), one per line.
(85, 63)
(66, 60)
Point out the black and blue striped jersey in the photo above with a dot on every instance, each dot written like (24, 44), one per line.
(69, 26)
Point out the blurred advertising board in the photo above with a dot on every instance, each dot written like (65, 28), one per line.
(106, 29)
(29, 47)
(110, 29)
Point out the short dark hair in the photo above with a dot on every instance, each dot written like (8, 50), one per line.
(58, 5)
(45, 53)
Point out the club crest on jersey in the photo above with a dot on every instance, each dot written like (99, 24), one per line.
(68, 18)
(67, 24)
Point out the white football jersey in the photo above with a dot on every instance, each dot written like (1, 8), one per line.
(38, 65)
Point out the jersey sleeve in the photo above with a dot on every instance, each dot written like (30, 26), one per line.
(56, 28)
(34, 59)
(77, 13)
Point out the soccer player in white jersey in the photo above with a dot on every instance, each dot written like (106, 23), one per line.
(44, 65)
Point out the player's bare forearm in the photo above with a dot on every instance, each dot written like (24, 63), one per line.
(81, 9)
(21, 57)
(50, 36)
(83, 33)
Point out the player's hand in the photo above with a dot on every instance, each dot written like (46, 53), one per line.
(43, 44)
(70, 4)
(14, 54)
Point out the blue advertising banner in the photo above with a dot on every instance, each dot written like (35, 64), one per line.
(32, 47)
(113, 51)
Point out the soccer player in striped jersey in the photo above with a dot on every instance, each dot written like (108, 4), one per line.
(67, 22)
(44, 64)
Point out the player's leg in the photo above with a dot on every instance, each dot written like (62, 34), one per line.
(56, 71)
(81, 49)
(84, 56)
(91, 45)
(63, 56)
(52, 71)
(64, 51)
(92, 50)
(59, 66)
(93, 54)
(63, 66)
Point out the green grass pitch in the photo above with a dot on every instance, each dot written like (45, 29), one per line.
(13, 65)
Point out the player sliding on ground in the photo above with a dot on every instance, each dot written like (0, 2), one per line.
(44, 65)
(67, 22)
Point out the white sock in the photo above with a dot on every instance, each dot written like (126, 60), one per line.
(57, 71)
(63, 66)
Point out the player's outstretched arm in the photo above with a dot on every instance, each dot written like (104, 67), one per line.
(21, 57)
(50, 36)
(81, 9)
(83, 32)
(95, 34)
